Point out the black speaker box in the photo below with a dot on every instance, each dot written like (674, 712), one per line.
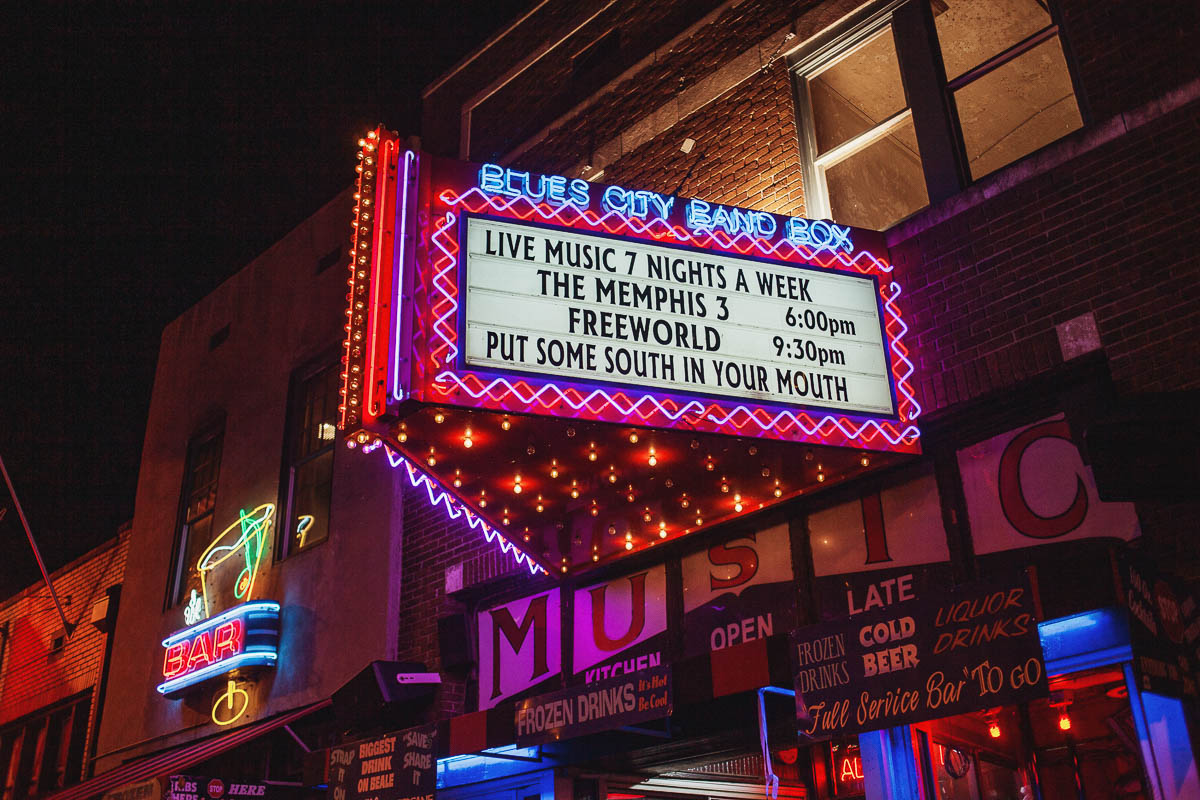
(384, 694)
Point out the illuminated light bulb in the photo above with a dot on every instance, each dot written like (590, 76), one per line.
(866, 462)
(629, 545)
(482, 501)
(994, 729)
(724, 486)
(684, 502)
(820, 477)
(506, 423)
(612, 530)
(574, 490)
(349, 444)
(554, 468)
(752, 450)
(563, 568)
(612, 475)
(362, 438)
(530, 450)
(516, 484)
(439, 418)
(766, 472)
(709, 465)
(595, 509)
(695, 444)
(525, 535)
(778, 491)
(592, 451)
(662, 529)
(570, 433)
(505, 518)
(403, 437)
(629, 497)
(647, 516)
(699, 521)
(737, 502)
(431, 459)
(653, 459)
(540, 506)
(595, 556)
(633, 438)
(467, 440)
(457, 478)
(1064, 721)
(628, 536)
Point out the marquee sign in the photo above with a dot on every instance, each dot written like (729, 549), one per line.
(645, 363)
(538, 294)
(245, 636)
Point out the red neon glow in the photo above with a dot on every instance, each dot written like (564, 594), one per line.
(1064, 721)
(850, 769)
(994, 730)
(207, 647)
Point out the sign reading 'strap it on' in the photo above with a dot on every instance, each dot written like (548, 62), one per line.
(922, 659)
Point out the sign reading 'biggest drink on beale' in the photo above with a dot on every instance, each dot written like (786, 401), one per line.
(922, 659)
(622, 310)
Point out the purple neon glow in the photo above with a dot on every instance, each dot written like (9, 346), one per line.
(439, 496)
(398, 282)
(739, 415)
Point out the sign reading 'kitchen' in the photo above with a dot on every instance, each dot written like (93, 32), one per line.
(919, 660)
(586, 306)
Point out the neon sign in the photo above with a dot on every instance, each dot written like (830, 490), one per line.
(247, 537)
(246, 635)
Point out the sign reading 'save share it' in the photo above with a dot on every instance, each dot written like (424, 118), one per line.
(619, 310)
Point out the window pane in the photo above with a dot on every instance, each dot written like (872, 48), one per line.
(881, 184)
(316, 424)
(197, 536)
(862, 89)
(972, 31)
(1017, 108)
(313, 482)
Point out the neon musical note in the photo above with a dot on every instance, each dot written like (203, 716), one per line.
(247, 536)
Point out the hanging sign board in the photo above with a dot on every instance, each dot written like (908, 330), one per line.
(399, 766)
(594, 707)
(1164, 627)
(922, 659)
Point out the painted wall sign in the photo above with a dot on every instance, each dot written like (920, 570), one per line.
(398, 766)
(605, 705)
(922, 659)
(620, 625)
(737, 591)
(899, 526)
(561, 302)
(246, 635)
(1029, 487)
(520, 646)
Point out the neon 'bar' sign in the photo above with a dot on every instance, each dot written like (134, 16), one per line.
(246, 635)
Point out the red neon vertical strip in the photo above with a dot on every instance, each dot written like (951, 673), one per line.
(372, 409)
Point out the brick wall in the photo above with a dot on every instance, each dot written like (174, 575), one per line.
(32, 674)
(1130, 53)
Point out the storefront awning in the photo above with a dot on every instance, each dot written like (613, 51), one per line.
(172, 761)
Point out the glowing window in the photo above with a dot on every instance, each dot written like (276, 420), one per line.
(909, 102)
(308, 474)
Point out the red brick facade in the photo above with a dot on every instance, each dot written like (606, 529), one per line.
(34, 674)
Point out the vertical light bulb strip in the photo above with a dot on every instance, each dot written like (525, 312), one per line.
(401, 234)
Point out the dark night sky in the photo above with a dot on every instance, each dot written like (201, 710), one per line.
(152, 151)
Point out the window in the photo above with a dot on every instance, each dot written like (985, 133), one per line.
(308, 468)
(198, 499)
(912, 103)
(44, 753)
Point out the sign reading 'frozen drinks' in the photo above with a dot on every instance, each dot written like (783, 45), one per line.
(581, 305)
